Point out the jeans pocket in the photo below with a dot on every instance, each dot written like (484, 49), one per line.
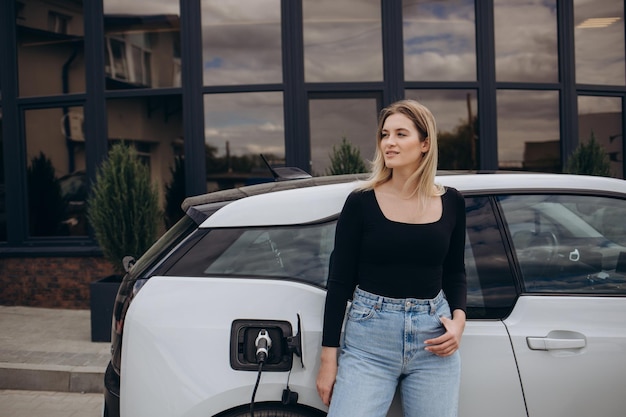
(443, 310)
(360, 312)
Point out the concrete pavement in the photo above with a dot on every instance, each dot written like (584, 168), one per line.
(44, 349)
(19, 403)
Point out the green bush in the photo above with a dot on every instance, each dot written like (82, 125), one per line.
(123, 207)
(346, 159)
(589, 159)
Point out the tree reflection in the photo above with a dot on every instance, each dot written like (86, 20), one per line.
(457, 148)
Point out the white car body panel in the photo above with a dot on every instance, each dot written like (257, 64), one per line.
(489, 372)
(264, 209)
(549, 376)
(192, 347)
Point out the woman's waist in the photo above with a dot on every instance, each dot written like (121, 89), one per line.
(371, 297)
(424, 284)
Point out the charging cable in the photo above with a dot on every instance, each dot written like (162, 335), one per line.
(263, 344)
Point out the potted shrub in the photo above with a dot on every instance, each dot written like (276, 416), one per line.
(123, 210)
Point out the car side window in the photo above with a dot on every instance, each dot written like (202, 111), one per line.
(568, 243)
(299, 252)
(491, 292)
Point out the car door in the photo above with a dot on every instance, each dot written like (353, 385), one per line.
(490, 384)
(568, 329)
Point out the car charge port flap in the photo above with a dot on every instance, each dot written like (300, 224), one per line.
(243, 335)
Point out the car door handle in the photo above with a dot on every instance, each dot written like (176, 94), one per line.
(557, 340)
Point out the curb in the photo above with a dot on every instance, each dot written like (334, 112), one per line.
(59, 378)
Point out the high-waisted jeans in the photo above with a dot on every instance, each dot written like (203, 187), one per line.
(384, 346)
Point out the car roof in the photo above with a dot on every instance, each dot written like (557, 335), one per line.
(316, 199)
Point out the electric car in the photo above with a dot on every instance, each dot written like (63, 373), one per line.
(241, 280)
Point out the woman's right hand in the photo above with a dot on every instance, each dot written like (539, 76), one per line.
(327, 373)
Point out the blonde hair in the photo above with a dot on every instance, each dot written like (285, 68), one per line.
(422, 181)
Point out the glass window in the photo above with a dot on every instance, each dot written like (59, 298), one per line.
(142, 44)
(439, 40)
(342, 40)
(490, 287)
(601, 117)
(154, 126)
(55, 152)
(50, 47)
(241, 42)
(568, 243)
(526, 41)
(295, 252)
(332, 121)
(528, 130)
(599, 38)
(457, 123)
(238, 128)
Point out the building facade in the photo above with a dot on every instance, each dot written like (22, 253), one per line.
(513, 84)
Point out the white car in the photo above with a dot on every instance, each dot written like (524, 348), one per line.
(546, 330)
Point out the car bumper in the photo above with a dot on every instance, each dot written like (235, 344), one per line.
(111, 392)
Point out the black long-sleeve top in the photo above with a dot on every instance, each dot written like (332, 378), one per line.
(394, 259)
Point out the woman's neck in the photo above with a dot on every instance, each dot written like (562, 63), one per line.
(398, 184)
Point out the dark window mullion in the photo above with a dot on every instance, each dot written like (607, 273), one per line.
(393, 51)
(295, 105)
(193, 102)
(52, 101)
(568, 101)
(14, 162)
(96, 146)
(486, 70)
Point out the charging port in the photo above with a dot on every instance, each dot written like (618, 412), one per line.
(243, 345)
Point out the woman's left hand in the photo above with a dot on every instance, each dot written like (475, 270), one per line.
(448, 343)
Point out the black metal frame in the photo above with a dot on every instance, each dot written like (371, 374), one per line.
(296, 96)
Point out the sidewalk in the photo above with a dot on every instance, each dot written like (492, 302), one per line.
(44, 349)
(21, 403)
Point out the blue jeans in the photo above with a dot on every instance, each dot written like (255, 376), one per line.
(384, 346)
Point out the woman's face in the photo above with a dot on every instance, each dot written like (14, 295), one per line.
(401, 144)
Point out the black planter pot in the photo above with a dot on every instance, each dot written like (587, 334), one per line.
(102, 295)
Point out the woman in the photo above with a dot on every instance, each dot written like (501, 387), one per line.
(399, 254)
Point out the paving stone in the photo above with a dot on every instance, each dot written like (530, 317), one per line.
(17, 403)
(46, 349)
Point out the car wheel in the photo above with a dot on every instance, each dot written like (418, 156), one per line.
(274, 410)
